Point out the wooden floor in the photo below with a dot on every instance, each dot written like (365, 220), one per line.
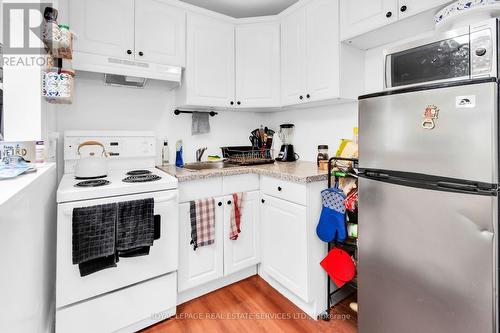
(251, 306)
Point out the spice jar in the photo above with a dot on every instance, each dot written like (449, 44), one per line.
(65, 42)
(322, 158)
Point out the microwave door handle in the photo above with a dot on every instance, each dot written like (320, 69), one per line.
(387, 75)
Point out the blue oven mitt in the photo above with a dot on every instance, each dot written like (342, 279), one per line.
(331, 224)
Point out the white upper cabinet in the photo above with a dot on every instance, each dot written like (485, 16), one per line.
(411, 7)
(293, 57)
(360, 16)
(98, 32)
(322, 50)
(257, 65)
(160, 33)
(209, 75)
(311, 55)
(143, 30)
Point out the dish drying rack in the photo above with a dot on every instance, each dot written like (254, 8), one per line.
(348, 168)
(248, 155)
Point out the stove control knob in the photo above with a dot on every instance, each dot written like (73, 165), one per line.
(481, 51)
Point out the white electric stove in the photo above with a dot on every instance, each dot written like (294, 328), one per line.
(140, 291)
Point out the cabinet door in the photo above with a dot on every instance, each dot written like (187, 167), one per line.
(411, 7)
(98, 32)
(293, 71)
(360, 16)
(210, 62)
(160, 33)
(244, 251)
(284, 248)
(206, 263)
(323, 50)
(258, 65)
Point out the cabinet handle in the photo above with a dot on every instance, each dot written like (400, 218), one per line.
(279, 188)
(301, 97)
(308, 96)
(220, 204)
(141, 53)
(229, 202)
(232, 103)
(388, 15)
(404, 8)
(262, 200)
(239, 103)
(129, 51)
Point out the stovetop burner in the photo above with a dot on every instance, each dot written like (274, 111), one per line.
(93, 183)
(138, 172)
(141, 178)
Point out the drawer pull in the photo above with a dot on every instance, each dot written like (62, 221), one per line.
(279, 188)
(229, 202)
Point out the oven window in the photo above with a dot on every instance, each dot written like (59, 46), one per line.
(442, 60)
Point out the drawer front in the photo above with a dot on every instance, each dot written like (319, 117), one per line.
(240, 183)
(200, 189)
(120, 309)
(282, 189)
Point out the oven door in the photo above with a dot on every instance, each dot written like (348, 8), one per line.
(162, 258)
(466, 53)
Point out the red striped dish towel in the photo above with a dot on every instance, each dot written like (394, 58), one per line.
(202, 213)
(236, 212)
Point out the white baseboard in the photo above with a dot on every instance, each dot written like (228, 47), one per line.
(206, 288)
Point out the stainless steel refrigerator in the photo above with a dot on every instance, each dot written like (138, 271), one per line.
(428, 205)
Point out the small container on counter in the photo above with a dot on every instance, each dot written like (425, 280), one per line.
(165, 153)
(65, 49)
(323, 157)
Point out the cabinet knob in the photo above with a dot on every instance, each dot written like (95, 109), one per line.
(232, 103)
(262, 200)
(129, 51)
(219, 204)
(141, 53)
(239, 103)
(308, 96)
(388, 15)
(301, 97)
(279, 188)
(229, 202)
(404, 8)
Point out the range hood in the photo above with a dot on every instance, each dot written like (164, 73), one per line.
(121, 70)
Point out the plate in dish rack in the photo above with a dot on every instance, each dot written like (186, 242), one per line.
(464, 12)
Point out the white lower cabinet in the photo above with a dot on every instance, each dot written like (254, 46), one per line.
(225, 256)
(245, 251)
(284, 244)
(207, 262)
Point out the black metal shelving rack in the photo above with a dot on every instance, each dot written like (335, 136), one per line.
(326, 314)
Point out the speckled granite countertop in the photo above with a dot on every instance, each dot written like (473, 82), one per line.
(300, 172)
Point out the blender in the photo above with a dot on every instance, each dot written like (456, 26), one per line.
(287, 153)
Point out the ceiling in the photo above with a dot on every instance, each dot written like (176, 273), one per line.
(244, 8)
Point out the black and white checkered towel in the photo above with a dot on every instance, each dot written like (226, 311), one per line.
(135, 224)
(93, 232)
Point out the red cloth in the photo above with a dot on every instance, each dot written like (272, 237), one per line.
(236, 212)
(339, 266)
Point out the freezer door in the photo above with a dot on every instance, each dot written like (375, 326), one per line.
(426, 260)
(461, 145)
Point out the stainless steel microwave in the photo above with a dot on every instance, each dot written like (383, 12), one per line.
(467, 53)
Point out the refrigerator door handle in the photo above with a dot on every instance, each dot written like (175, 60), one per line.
(460, 187)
